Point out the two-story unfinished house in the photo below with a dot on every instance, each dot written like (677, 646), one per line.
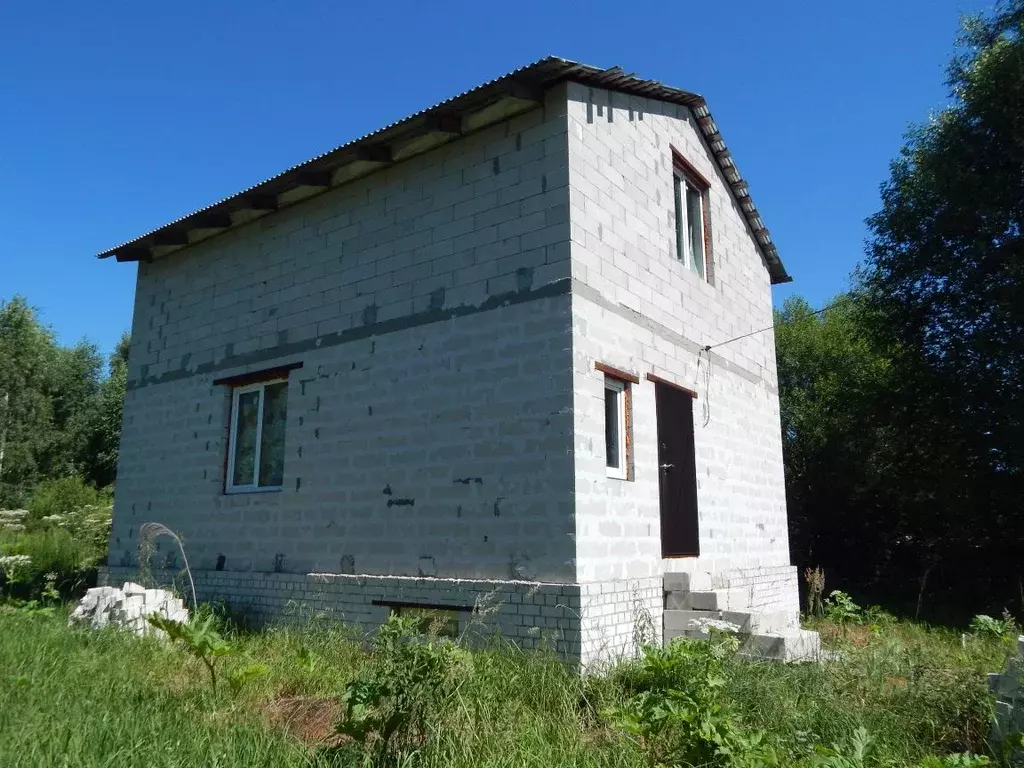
(459, 365)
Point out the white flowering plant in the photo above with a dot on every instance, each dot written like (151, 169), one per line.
(15, 567)
(47, 555)
(90, 524)
(13, 520)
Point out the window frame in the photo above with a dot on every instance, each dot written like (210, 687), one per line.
(621, 388)
(229, 475)
(683, 176)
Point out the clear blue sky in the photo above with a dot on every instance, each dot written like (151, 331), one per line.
(116, 118)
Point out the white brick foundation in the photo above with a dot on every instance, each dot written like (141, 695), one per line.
(618, 616)
(533, 614)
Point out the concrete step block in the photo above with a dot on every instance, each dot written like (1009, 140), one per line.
(717, 600)
(698, 581)
(774, 621)
(676, 582)
(789, 645)
(690, 620)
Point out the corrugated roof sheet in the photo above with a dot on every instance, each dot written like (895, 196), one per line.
(373, 148)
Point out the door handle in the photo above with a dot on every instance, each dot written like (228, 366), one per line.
(667, 466)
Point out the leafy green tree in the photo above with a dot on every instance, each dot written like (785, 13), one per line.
(59, 415)
(903, 407)
(74, 385)
(830, 379)
(943, 292)
(26, 364)
(103, 424)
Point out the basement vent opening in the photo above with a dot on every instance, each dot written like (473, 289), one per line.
(431, 619)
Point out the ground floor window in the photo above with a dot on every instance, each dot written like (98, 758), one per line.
(615, 443)
(256, 441)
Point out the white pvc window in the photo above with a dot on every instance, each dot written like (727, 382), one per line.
(690, 224)
(256, 445)
(615, 428)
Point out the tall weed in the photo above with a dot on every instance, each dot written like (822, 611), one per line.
(404, 691)
(676, 711)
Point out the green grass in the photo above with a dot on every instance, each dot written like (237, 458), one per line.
(917, 690)
(79, 698)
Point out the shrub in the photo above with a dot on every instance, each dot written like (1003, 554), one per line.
(51, 551)
(840, 608)
(65, 494)
(64, 534)
(987, 626)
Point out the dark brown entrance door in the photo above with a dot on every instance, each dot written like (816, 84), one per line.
(677, 476)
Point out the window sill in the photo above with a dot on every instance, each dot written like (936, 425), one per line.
(249, 489)
(615, 474)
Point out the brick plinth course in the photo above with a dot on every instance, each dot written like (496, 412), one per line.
(533, 614)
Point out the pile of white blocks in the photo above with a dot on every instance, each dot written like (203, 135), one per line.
(1008, 688)
(128, 608)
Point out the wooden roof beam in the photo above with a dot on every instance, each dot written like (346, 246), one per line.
(134, 253)
(517, 89)
(211, 221)
(313, 179)
(374, 153)
(445, 123)
(258, 202)
(176, 236)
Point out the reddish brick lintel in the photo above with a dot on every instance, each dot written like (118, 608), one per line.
(616, 373)
(254, 377)
(658, 380)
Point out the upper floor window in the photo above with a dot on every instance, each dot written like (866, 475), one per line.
(256, 445)
(692, 226)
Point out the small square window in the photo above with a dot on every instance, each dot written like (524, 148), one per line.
(691, 221)
(256, 441)
(615, 443)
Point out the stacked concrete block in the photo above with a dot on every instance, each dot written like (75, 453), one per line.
(128, 607)
(1008, 688)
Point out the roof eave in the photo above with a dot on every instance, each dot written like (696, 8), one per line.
(518, 91)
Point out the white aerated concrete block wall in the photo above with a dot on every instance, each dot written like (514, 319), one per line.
(637, 308)
(429, 426)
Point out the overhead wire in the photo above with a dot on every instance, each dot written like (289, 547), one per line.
(709, 347)
(705, 352)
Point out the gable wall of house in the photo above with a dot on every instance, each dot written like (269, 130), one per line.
(426, 303)
(637, 308)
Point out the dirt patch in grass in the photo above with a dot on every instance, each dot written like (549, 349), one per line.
(310, 720)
